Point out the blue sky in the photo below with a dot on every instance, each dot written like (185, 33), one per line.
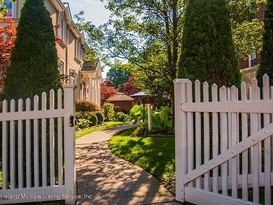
(93, 11)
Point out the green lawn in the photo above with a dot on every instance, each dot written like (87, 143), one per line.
(97, 128)
(154, 154)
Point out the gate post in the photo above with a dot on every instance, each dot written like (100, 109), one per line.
(69, 144)
(180, 138)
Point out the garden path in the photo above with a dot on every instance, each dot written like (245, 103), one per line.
(103, 178)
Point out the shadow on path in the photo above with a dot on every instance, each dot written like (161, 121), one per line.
(103, 178)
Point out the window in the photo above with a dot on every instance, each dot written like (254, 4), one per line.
(78, 50)
(252, 59)
(61, 32)
(11, 8)
(61, 67)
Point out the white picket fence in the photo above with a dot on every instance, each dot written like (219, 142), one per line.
(38, 162)
(223, 143)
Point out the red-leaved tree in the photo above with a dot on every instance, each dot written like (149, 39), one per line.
(7, 39)
(128, 87)
(106, 91)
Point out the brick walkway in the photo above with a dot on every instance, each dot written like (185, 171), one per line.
(103, 178)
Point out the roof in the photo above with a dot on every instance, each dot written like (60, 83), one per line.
(139, 94)
(120, 97)
(87, 66)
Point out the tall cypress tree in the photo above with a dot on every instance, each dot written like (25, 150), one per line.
(34, 60)
(207, 48)
(266, 65)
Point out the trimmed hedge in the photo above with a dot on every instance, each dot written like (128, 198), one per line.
(86, 106)
(100, 117)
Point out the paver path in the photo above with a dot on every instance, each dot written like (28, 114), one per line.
(103, 178)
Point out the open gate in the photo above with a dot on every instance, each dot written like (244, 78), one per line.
(37, 159)
(223, 143)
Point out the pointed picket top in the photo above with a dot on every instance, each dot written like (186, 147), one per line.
(4, 106)
(265, 80)
(223, 94)
(51, 99)
(20, 104)
(44, 99)
(214, 90)
(12, 105)
(254, 89)
(28, 104)
(197, 91)
(234, 93)
(266, 91)
(254, 82)
(60, 99)
(189, 91)
(36, 100)
(243, 92)
(197, 82)
(206, 92)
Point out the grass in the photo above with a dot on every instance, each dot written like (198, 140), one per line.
(106, 125)
(154, 154)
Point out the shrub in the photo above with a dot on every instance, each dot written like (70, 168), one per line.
(34, 59)
(120, 116)
(86, 106)
(100, 117)
(82, 124)
(86, 119)
(92, 118)
(266, 65)
(109, 111)
(207, 47)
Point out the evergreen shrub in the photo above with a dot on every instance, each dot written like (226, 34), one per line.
(109, 111)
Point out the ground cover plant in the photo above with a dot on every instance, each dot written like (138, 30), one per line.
(88, 130)
(154, 154)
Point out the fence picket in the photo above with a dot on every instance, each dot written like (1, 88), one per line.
(255, 154)
(223, 99)
(4, 148)
(28, 148)
(206, 135)
(12, 147)
(44, 143)
(198, 143)
(60, 141)
(267, 148)
(20, 147)
(190, 130)
(234, 140)
(36, 144)
(245, 153)
(51, 140)
(215, 136)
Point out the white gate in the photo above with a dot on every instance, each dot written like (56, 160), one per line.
(223, 143)
(38, 162)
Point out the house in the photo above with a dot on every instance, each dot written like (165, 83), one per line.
(250, 65)
(71, 47)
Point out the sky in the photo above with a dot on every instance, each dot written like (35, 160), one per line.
(93, 11)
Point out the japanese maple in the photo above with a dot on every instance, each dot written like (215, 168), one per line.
(7, 39)
(128, 87)
(106, 91)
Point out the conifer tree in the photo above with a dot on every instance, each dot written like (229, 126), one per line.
(34, 60)
(266, 65)
(207, 48)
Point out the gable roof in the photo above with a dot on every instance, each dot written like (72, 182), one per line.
(120, 97)
(87, 66)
